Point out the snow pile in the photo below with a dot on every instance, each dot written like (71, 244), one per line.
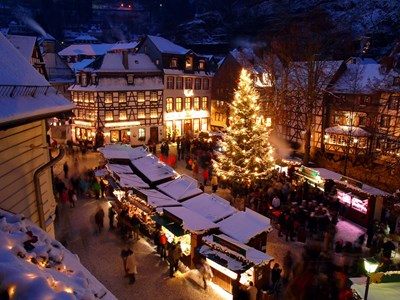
(35, 266)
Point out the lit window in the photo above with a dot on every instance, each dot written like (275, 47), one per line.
(122, 98)
(197, 84)
(153, 96)
(206, 84)
(204, 103)
(91, 98)
(170, 82)
(179, 83)
(178, 104)
(201, 64)
(141, 97)
(141, 114)
(188, 83)
(129, 79)
(109, 116)
(153, 113)
(108, 98)
(84, 79)
(122, 115)
(189, 63)
(188, 103)
(93, 79)
(174, 63)
(196, 103)
(86, 97)
(142, 134)
(169, 102)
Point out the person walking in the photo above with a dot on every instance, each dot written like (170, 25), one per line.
(205, 176)
(206, 272)
(214, 183)
(163, 245)
(174, 256)
(275, 277)
(99, 219)
(156, 240)
(111, 216)
(178, 147)
(125, 252)
(66, 169)
(131, 267)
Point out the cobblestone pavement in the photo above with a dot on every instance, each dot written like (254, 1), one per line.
(100, 253)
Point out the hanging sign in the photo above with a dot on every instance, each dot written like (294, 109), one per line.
(352, 181)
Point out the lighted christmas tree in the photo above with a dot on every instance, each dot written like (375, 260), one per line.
(247, 156)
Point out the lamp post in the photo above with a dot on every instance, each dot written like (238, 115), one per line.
(370, 265)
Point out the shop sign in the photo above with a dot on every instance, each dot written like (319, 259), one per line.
(352, 181)
(229, 245)
(172, 217)
(308, 172)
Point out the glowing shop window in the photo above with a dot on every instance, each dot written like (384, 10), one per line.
(169, 104)
(122, 115)
(153, 96)
(196, 103)
(141, 114)
(108, 98)
(109, 116)
(153, 113)
(141, 97)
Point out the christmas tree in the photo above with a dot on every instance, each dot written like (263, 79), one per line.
(247, 156)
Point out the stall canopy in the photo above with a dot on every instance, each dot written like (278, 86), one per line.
(386, 289)
(190, 221)
(156, 198)
(153, 169)
(245, 225)
(213, 207)
(122, 151)
(131, 181)
(181, 188)
(231, 254)
(119, 169)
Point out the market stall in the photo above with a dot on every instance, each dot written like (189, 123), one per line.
(317, 176)
(122, 152)
(228, 257)
(247, 227)
(152, 170)
(156, 199)
(210, 206)
(186, 226)
(181, 188)
(382, 286)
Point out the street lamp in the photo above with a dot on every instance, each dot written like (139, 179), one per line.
(370, 265)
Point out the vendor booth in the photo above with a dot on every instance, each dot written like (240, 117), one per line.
(381, 286)
(228, 257)
(156, 199)
(130, 181)
(210, 206)
(247, 227)
(186, 226)
(122, 152)
(152, 170)
(181, 188)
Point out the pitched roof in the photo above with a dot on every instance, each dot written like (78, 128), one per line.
(166, 46)
(25, 44)
(86, 49)
(138, 62)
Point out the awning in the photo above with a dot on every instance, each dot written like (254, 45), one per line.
(176, 229)
(348, 130)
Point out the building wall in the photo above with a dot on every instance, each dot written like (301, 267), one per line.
(23, 150)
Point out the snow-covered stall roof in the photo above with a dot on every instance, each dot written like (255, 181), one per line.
(86, 49)
(327, 174)
(191, 220)
(25, 93)
(245, 225)
(376, 291)
(153, 169)
(43, 269)
(348, 130)
(181, 188)
(166, 46)
(122, 151)
(119, 169)
(235, 261)
(137, 62)
(213, 207)
(131, 181)
(156, 198)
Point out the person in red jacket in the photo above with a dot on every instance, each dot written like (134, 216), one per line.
(163, 245)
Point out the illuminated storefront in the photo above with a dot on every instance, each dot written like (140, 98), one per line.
(186, 122)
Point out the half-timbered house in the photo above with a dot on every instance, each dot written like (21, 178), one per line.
(27, 100)
(119, 98)
(187, 86)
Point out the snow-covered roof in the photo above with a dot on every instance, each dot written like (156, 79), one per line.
(359, 79)
(119, 169)
(86, 49)
(328, 174)
(181, 188)
(137, 62)
(157, 199)
(80, 65)
(131, 181)
(153, 169)
(122, 151)
(166, 46)
(253, 256)
(348, 130)
(245, 225)
(211, 206)
(24, 44)
(85, 37)
(124, 46)
(247, 59)
(191, 220)
(181, 72)
(22, 271)
(24, 92)
(376, 291)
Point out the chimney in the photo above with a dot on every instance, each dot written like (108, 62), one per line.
(125, 61)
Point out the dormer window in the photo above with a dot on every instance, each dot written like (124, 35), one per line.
(94, 79)
(129, 79)
(84, 79)
(189, 63)
(202, 64)
(396, 81)
(174, 63)
(77, 78)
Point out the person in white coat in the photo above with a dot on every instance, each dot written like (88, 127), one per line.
(131, 267)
